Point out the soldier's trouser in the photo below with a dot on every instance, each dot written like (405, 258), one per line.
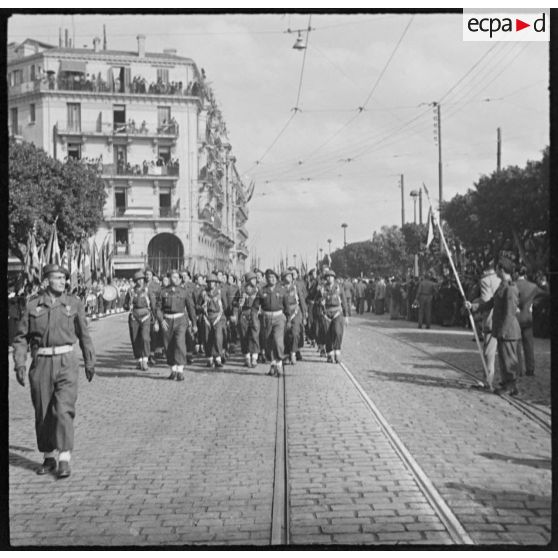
(379, 305)
(249, 332)
(190, 340)
(310, 322)
(274, 335)
(334, 335)
(320, 327)
(262, 333)
(489, 348)
(292, 333)
(174, 340)
(360, 304)
(139, 335)
(425, 310)
(215, 338)
(527, 355)
(156, 339)
(507, 358)
(369, 303)
(54, 383)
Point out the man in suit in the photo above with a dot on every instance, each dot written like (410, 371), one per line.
(349, 291)
(360, 293)
(505, 326)
(529, 295)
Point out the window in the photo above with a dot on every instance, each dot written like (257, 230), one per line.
(17, 77)
(120, 78)
(32, 74)
(163, 116)
(163, 75)
(121, 241)
(74, 117)
(165, 202)
(120, 201)
(164, 154)
(119, 118)
(120, 158)
(32, 113)
(13, 114)
(74, 151)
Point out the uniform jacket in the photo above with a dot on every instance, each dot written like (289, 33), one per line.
(272, 299)
(48, 323)
(174, 300)
(504, 318)
(245, 297)
(214, 303)
(426, 288)
(348, 289)
(141, 301)
(295, 299)
(333, 298)
(380, 289)
(301, 288)
(360, 289)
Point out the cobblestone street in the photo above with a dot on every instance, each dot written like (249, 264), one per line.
(161, 463)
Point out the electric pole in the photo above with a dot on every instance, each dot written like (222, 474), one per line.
(402, 201)
(439, 135)
(499, 151)
(420, 206)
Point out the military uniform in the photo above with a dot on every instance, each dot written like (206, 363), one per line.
(142, 306)
(213, 304)
(332, 300)
(177, 312)
(274, 305)
(248, 322)
(156, 343)
(51, 324)
(295, 318)
(425, 294)
(190, 336)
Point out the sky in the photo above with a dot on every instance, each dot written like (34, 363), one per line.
(363, 91)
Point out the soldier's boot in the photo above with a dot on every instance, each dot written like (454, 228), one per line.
(219, 362)
(298, 355)
(180, 373)
(254, 360)
(173, 372)
(210, 362)
(144, 365)
(247, 361)
(151, 360)
(140, 363)
(272, 369)
(330, 356)
(293, 359)
(279, 368)
(49, 464)
(64, 465)
(189, 358)
(337, 356)
(322, 351)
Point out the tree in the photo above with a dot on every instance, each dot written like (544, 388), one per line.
(42, 188)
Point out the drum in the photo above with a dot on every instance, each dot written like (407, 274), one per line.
(109, 293)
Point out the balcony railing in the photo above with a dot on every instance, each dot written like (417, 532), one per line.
(149, 170)
(97, 127)
(146, 212)
(168, 212)
(122, 249)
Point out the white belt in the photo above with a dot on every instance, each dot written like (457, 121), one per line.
(274, 313)
(51, 351)
(172, 316)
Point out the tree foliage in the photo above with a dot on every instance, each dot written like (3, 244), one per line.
(42, 188)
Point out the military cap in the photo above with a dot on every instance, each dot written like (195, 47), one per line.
(329, 272)
(149, 269)
(256, 270)
(293, 268)
(271, 272)
(285, 273)
(139, 275)
(213, 277)
(55, 268)
(250, 275)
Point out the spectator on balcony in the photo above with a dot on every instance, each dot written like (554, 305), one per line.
(145, 166)
(143, 129)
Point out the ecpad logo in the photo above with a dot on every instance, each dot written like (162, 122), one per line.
(506, 25)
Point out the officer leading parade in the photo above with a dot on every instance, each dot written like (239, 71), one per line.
(308, 319)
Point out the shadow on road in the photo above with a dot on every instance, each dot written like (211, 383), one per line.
(418, 379)
(22, 462)
(527, 461)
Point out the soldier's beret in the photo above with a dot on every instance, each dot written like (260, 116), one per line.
(139, 275)
(250, 275)
(271, 272)
(329, 272)
(55, 268)
(213, 277)
(285, 273)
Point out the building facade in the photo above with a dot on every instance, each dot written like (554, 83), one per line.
(150, 124)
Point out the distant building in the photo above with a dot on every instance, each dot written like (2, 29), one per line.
(151, 126)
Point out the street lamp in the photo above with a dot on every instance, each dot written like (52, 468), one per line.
(329, 241)
(344, 227)
(321, 255)
(414, 194)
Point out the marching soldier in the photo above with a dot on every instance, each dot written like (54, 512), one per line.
(197, 296)
(214, 321)
(230, 291)
(51, 324)
(175, 303)
(335, 309)
(142, 305)
(311, 289)
(302, 294)
(273, 301)
(190, 335)
(295, 317)
(260, 282)
(154, 289)
(248, 322)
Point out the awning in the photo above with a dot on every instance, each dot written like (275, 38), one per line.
(72, 66)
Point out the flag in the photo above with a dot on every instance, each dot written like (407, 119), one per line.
(52, 252)
(85, 262)
(94, 260)
(74, 266)
(65, 259)
(41, 259)
(430, 228)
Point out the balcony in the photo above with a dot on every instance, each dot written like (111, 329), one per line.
(169, 212)
(145, 213)
(121, 249)
(115, 129)
(145, 170)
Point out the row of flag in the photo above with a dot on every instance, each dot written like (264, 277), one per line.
(82, 259)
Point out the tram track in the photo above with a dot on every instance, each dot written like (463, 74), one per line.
(533, 412)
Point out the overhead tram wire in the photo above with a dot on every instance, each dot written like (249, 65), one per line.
(296, 108)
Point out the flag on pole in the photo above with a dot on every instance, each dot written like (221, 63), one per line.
(74, 267)
(52, 252)
(65, 258)
(430, 235)
(85, 262)
(94, 260)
